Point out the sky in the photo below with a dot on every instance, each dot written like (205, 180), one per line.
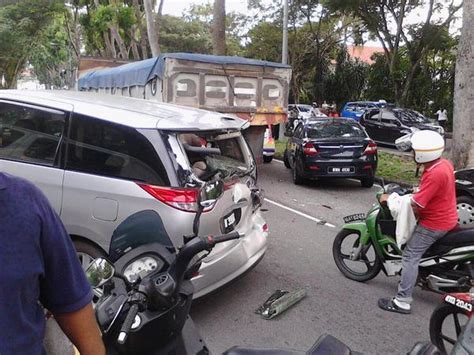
(176, 7)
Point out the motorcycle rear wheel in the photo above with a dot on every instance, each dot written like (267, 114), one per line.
(373, 266)
(439, 322)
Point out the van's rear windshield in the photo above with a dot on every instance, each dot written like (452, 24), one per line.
(210, 153)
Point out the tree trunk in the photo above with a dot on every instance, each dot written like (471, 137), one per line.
(463, 150)
(109, 46)
(121, 44)
(134, 43)
(153, 25)
(142, 30)
(218, 28)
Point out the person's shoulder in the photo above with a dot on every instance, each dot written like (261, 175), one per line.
(20, 186)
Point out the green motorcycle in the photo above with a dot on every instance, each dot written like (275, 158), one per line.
(367, 244)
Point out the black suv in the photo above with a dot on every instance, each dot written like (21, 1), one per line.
(387, 124)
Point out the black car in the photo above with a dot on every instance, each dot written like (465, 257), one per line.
(331, 148)
(387, 124)
(465, 196)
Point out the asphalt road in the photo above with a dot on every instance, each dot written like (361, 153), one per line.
(299, 255)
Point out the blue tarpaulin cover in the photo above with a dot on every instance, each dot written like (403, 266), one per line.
(140, 73)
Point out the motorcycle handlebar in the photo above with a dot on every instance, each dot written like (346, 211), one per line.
(127, 324)
(192, 248)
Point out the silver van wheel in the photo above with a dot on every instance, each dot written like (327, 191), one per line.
(465, 207)
(87, 253)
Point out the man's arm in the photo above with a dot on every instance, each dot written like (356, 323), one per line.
(81, 328)
(416, 208)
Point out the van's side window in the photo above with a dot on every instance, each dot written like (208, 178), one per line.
(107, 149)
(30, 134)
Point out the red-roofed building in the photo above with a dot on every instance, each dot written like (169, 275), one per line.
(363, 53)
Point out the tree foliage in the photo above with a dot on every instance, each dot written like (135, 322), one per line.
(21, 26)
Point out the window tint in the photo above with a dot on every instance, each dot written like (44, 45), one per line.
(335, 129)
(299, 131)
(108, 149)
(372, 115)
(304, 108)
(411, 116)
(30, 134)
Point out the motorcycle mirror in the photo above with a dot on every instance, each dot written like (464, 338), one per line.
(210, 192)
(99, 272)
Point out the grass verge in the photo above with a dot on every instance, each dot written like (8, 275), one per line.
(391, 167)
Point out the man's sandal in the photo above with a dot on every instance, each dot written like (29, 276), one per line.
(387, 304)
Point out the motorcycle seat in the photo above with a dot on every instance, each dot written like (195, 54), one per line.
(326, 344)
(457, 237)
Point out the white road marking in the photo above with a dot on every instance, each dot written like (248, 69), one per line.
(279, 161)
(311, 218)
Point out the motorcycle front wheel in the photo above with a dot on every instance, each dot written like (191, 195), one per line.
(368, 264)
(446, 324)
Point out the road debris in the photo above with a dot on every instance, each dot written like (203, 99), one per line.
(279, 302)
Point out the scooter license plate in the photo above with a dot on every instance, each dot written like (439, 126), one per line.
(354, 217)
(467, 306)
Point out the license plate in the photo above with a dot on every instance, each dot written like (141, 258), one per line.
(354, 217)
(467, 306)
(229, 220)
(341, 170)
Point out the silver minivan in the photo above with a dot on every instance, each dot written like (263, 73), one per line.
(99, 159)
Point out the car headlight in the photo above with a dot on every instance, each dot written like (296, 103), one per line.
(141, 267)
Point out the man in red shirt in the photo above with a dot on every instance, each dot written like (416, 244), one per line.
(434, 204)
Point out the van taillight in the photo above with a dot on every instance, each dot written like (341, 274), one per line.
(371, 149)
(181, 199)
(310, 149)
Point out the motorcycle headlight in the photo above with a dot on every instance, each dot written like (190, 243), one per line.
(139, 268)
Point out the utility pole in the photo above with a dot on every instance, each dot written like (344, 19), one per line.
(284, 53)
(284, 47)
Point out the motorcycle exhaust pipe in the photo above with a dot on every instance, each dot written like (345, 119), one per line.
(436, 282)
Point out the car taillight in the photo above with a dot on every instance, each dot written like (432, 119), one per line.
(371, 149)
(310, 149)
(181, 199)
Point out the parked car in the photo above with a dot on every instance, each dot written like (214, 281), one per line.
(304, 111)
(356, 109)
(268, 145)
(100, 158)
(465, 196)
(331, 148)
(387, 124)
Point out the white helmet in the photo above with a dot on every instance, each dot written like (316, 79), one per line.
(427, 145)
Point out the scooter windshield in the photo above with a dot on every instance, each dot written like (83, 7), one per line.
(144, 227)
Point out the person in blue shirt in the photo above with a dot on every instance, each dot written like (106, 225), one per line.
(39, 268)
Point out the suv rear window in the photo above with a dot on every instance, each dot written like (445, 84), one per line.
(332, 129)
(103, 148)
(209, 153)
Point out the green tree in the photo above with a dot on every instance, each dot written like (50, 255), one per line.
(21, 25)
(386, 21)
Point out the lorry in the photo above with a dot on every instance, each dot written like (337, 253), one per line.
(251, 89)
